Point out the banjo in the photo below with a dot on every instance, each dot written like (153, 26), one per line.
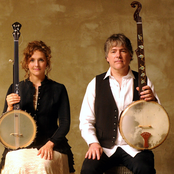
(17, 127)
(143, 125)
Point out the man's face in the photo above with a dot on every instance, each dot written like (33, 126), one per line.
(119, 58)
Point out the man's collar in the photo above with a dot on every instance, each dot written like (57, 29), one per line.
(129, 75)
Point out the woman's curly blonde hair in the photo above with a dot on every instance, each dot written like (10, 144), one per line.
(28, 52)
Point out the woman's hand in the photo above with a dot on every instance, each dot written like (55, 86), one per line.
(46, 151)
(12, 99)
(147, 94)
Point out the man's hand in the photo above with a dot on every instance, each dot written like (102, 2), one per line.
(147, 94)
(94, 151)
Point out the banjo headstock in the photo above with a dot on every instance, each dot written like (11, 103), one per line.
(137, 18)
(16, 30)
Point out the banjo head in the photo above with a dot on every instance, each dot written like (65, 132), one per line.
(144, 125)
(17, 129)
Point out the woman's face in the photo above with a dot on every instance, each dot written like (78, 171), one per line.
(37, 64)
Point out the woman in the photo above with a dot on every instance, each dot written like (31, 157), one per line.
(47, 101)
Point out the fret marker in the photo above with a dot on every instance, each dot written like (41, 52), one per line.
(142, 81)
(142, 68)
(141, 46)
(143, 74)
(140, 37)
(141, 56)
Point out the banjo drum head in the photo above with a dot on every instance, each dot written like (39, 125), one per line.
(17, 133)
(144, 125)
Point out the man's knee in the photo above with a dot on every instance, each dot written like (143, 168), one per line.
(143, 169)
(87, 170)
(91, 167)
(144, 163)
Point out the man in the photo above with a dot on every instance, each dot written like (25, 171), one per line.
(107, 95)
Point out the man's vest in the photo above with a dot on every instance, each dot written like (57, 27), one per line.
(106, 111)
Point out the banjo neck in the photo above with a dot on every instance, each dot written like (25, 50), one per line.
(16, 34)
(17, 127)
(142, 80)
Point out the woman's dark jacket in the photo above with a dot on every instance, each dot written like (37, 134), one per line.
(52, 115)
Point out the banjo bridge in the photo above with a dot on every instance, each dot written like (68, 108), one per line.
(145, 126)
(16, 135)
